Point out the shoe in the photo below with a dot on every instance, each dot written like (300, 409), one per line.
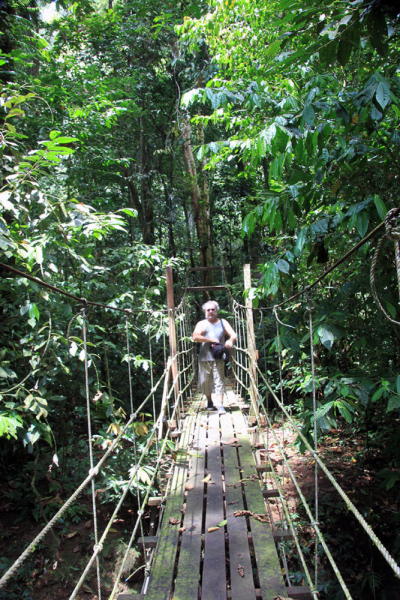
(221, 410)
(211, 407)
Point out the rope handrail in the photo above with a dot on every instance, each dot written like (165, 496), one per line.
(83, 301)
(98, 547)
(80, 488)
(385, 553)
(318, 532)
(148, 491)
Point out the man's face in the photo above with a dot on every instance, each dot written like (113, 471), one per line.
(211, 312)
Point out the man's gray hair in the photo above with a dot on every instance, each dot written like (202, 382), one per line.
(210, 303)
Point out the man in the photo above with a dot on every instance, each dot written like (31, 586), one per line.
(212, 330)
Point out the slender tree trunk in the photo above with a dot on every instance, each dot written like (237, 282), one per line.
(200, 202)
(148, 231)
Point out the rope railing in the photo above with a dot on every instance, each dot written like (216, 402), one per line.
(241, 366)
(92, 474)
(98, 547)
(385, 553)
(158, 463)
(281, 492)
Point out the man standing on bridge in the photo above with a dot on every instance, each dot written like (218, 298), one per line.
(212, 330)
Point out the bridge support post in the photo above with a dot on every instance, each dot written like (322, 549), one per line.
(251, 342)
(172, 337)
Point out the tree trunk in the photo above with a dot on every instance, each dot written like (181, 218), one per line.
(200, 202)
(148, 213)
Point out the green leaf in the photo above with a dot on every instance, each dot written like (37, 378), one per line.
(362, 223)
(130, 211)
(8, 426)
(223, 523)
(301, 241)
(34, 312)
(377, 394)
(380, 207)
(283, 265)
(377, 30)
(7, 373)
(376, 115)
(309, 115)
(273, 49)
(393, 404)
(344, 51)
(344, 411)
(326, 336)
(382, 95)
(66, 140)
(391, 309)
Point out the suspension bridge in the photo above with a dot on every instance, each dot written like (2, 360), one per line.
(216, 534)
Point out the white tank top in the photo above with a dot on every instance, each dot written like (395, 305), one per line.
(213, 330)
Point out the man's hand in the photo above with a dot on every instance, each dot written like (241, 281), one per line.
(228, 344)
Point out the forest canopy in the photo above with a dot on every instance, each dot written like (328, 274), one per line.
(140, 133)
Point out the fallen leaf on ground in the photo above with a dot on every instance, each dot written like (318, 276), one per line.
(71, 535)
(76, 549)
(182, 529)
(231, 441)
(223, 523)
(88, 524)
(240, 570)
(282, 598)
(206, 479)
(174, 520)
(244, 513)
(234, 502)
(189, 486)
(210, 529)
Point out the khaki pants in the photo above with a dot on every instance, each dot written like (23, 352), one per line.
(211, 377)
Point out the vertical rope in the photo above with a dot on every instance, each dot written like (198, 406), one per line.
(129, 361)
(89, 422)
(133, 429)
(281, 390)
(310, 309)
(152, 379)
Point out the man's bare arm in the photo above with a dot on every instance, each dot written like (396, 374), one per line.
(232, 335)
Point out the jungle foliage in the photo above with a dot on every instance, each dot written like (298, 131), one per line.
(143, 132)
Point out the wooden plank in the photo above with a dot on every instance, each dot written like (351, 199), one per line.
(214, 566)
(150, 541)
(282, 535)
(155, 501)
(239, 551)
(162, 571)
(188, 576)
(299, 592)
(269, 570)
(205, 288)
(192, 269)
(270, 493)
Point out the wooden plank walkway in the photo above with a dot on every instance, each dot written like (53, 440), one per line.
(211, 554)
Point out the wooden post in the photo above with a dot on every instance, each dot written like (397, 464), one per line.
(172, 335)
(163, 409)
(251, 343)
